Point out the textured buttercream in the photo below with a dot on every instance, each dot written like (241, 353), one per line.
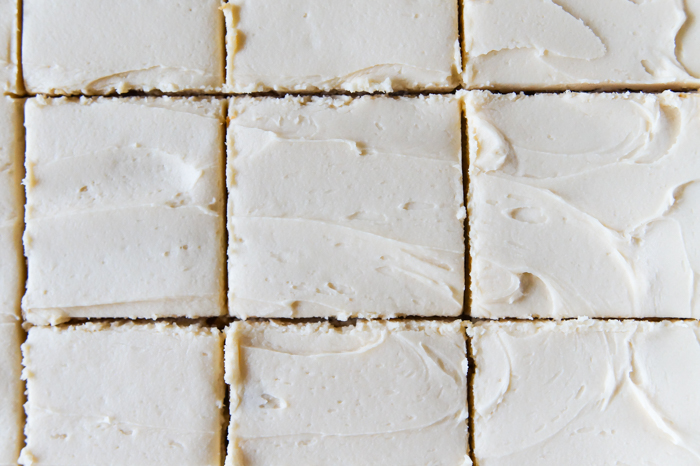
(345, 207)
(124, 393)
(586, 392)
(9, 49)
(317, 394)
(85, 47)
(124, 208)
(11, 394)
(365, 46)
(11, 207)
(584, 205)
(582, 44)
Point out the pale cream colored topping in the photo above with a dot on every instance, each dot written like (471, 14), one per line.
(11, 201)
(80, 46)
(9, 49)
(585, 205)
(360, 46)
(132, 394)
(317, 394)
(582, 44)
(345, 207)
(11, 394)
(124, 208)
(586, 392)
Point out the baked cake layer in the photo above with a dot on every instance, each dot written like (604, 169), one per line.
(586, 392)
(584, 205)
(581, 44)
(124, 394)
(345, 207)
(125, 210)
(318, 394)
(360, 46)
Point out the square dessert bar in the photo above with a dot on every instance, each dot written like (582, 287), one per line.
(125, 209)
(9, 47)
(124, 394)
(587, 392)
(581, 44)
(11, 207)
(11, 394)
(87, 47)
(359, 46)
(584, 205)
(391, 393)
(345, 207)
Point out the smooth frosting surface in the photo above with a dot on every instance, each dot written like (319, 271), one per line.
(124, 208)
(124, 394)
(585, 205)
(11, 207)
(345, 207)
(586, 392)
(9, 50)
(11, 394)
(317, 394)
(582, 44)
(80, 46)
(360, 46)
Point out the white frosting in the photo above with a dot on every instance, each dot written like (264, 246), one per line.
(11, 394)
(582, 44)
(364, 45)
(9, 50)
(316, 394)
(124, 394)
(11, 201)
(585, 205)
(81, 46)
(345, 207)
(124, 208)
(586, 392)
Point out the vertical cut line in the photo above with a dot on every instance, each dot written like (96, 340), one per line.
(467, 279)
(225, 419)
(466, 310)
(21, 90)
(224, 179)
(25, 392)
(222, 18)
(470, 399)
(460, 35)
(226, 407)
(22, 175)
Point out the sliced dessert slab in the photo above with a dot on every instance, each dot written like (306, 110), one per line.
(125, 210)
(11, 393)
(586, 392)
(363, 46)
(124, 393)
(12, 273)
(393, 393)
(345, 207)
(584, 205)
(581, 44)
(83, 47)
